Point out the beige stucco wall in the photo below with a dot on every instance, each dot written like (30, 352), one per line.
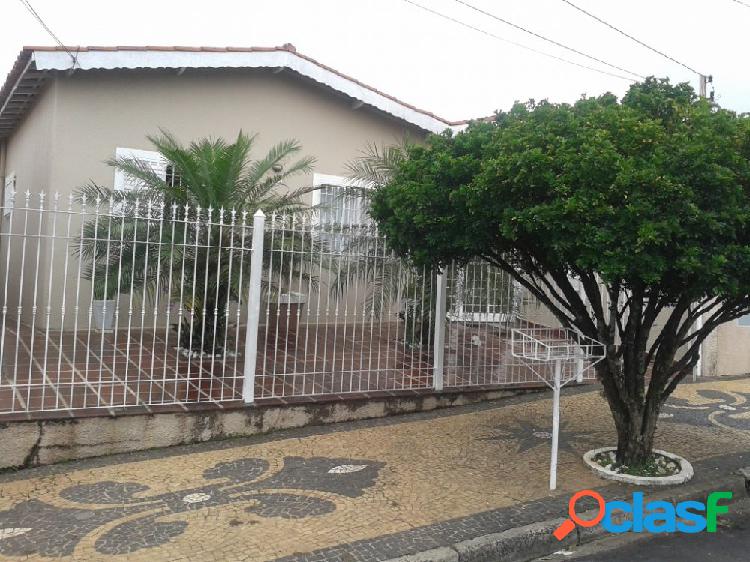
(98, 112)
(732, 356)
(82, 118)
(725, 352)
(28, 156)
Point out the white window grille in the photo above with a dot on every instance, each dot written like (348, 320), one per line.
(339, 200)
(481, 294)
(341, 207)
(126, 182)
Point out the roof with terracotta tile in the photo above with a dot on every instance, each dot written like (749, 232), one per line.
(28, 65)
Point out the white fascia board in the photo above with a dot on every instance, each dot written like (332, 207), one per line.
(111, 60)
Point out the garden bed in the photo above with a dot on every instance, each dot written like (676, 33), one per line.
(663, 469)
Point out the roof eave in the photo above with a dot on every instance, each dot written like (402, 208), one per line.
(131, 58)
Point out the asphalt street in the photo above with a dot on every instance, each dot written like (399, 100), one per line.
(730, 543)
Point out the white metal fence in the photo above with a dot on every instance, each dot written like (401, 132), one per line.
(110, 303)
(344, 314)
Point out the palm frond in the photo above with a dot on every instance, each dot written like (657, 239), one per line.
(126, 252)
(279, 152)
(376, 164)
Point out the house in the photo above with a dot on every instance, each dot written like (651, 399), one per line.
(65, 111)
(81, 105)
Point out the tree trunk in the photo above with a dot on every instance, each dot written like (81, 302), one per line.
(209, 330)
(635, 436)
(635, 418)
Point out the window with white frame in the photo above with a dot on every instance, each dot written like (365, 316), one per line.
(126, 182)
(339, 207)
(338, 202)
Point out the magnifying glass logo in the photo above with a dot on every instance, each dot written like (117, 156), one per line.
(569, 524)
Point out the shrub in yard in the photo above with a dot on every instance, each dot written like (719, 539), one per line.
(611, 212)
(176, 236)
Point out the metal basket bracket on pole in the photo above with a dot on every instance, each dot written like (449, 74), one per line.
(568, 354)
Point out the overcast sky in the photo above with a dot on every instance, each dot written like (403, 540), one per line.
(425, 60)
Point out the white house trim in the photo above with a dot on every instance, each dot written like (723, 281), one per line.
(139, 59)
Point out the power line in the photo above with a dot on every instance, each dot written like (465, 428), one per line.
(621, 32)
(547, 39)
(741, 3)
(36, 15)
(520, 45)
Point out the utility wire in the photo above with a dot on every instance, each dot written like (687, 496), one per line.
(741, 3)
(641, 43)
(36, 15)
(520, 45)
(547, 39)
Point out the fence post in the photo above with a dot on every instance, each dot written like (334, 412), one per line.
(439, 333)
(253, 307)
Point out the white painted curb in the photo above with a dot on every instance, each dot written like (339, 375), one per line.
(685, 474)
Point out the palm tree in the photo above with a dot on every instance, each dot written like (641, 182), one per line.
(389, 280)
(386, 279)
(191, 231)
(375, 166)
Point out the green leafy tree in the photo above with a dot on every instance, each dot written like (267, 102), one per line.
(614, 213)
(179, 234)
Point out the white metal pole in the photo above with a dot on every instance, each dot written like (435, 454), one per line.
(253, 307)
(698, 325)
(439, 332)
(698, 368)
(555, 425)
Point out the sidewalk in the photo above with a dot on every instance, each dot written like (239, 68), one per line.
(370, 490)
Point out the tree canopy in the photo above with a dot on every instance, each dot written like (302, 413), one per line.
(609, 211)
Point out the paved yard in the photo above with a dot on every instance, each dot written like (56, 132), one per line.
(367, 490)
(53, 370)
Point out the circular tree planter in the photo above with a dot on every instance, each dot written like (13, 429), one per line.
(685, 473)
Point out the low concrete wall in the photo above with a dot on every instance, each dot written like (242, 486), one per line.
(27, 443)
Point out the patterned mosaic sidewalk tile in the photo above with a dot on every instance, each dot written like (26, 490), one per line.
(358, 491)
